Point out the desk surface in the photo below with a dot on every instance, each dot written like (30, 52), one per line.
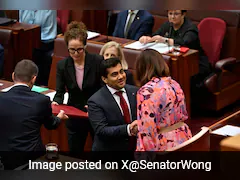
(19, 26)
(215, 139)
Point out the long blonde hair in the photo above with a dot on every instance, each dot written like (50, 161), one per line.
(120, 52)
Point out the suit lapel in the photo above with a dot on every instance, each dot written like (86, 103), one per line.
(71, 71)
(87, 67)
(111, 100)
(132, 101)
(136, 23)
(124, 20)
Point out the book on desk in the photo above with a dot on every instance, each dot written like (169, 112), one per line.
(160, 47)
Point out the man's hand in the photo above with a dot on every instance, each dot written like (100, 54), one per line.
(145, 39)
(134, 128)
(62, 115)
(54, 103)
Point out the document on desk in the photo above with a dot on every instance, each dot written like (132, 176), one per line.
(227, 130)
(34, 88)
(160, 47)
(52, 94)
(92, 34)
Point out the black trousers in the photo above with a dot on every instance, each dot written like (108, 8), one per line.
(43, 58)
(77, 134)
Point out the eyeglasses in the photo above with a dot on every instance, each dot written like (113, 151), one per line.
(174, 14)
(72, 50)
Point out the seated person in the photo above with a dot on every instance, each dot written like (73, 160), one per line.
(1, 60)
(20, 130)
(161, 108)
(179, 30)
(132, 24)
(113, 49)
(47, 19)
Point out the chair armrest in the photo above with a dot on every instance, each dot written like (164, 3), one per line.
(223, 63)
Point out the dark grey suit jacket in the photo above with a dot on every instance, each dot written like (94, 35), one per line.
(107, 120)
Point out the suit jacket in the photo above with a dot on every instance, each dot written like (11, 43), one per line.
(107, 120)
(66, 80)
(141, 25)
(22, 114)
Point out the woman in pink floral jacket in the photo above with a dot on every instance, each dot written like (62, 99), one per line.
(161, 105)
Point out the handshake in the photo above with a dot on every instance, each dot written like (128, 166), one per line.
(134, 128)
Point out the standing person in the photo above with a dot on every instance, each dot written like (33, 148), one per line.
(47, 19)
(113, 49)
(132, 24)
(79, 75)
(20, 131)
(112, 110)
(161, 105)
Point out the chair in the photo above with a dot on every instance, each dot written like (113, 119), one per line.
(63, 19)
(223, 86)
(199, 142)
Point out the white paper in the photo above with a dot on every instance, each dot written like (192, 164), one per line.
(52, 94)
(161, 48)
(92, 34)
(227, 130)
(138, 45)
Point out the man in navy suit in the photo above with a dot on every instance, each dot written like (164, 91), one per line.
(132, 24)
(112, 115)
(23, 112)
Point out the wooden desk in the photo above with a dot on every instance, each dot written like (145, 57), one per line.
(215, 139)
(230, 144)
(25, 37)
(58, 136)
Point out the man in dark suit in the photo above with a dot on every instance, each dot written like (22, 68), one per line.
(23, 112)
(132, 24)
(112, 110)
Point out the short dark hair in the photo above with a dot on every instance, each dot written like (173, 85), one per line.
(108, 63)
(149, 64)
(25, 70)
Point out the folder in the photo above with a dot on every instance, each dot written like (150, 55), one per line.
(69, 110)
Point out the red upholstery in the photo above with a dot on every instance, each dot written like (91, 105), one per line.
(224, 84)
(63, 19)
(211, 33)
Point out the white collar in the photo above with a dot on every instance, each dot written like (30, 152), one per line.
(113, 91)
(134, 11)
(20, 84)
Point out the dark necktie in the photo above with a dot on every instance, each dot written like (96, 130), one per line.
(126, 114)
(129, 23)
(124, 107)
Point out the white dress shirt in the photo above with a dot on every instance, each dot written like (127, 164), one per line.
(117, 99)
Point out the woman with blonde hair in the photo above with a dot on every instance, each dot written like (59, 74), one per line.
(113, 49)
